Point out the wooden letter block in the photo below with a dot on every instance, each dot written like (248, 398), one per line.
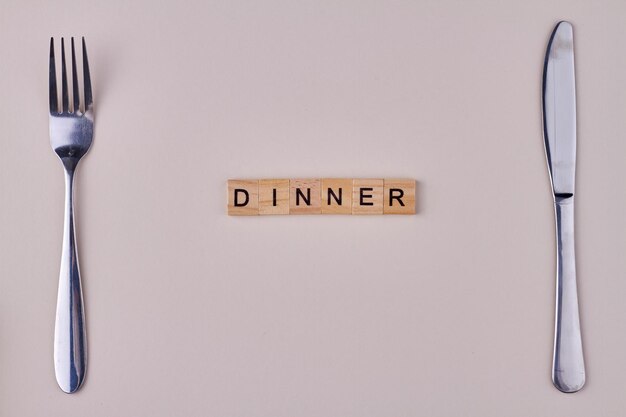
(326, 196)
(304, 196)
(399, 196)
(336, 196)
(273, 196)
(367, 196)
(243, 197)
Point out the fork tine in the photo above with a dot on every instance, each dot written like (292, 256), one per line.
(54, 101)
(64, 92)
(86, 79)
(75, 94)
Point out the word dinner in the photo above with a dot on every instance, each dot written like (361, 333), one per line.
(321, 196)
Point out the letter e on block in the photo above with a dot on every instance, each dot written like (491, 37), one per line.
(367, 196)
(399, 196)
(243, 197)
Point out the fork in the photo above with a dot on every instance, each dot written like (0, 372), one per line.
(71, 134)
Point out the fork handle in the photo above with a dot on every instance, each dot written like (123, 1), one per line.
(70, 343)
(568, 367)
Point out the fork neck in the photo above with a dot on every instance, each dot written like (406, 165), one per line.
(70, 165)
(69, 195)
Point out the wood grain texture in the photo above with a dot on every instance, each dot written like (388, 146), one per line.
(304, 196)
(367, 196)
(334, 189)
(273, 196)
(244, 191)
(399, 196)
(321, 196)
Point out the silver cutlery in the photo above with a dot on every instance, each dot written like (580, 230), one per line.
(71, 134)
(559, 132)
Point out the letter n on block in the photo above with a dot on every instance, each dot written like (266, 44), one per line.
(336, 196)
(367, 196)
(304, 196)
(399, 196)
(243, 197)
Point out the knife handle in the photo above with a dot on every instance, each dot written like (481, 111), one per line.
(568, 366)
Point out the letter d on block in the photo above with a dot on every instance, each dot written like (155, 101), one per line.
(246, 197)
(243, 197)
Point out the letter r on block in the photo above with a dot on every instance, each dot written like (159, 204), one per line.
(399, 196)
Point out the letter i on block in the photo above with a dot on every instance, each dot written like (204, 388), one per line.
(304, 196)
(399, 196)
(243, 197)
(273, 196)
(337, 196)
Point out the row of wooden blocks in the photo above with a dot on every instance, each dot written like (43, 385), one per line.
(321, 196)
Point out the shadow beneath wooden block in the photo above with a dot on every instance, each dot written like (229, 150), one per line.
(419, 197)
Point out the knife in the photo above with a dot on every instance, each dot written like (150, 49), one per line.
(559, 134)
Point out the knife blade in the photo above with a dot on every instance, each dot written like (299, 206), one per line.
(559, 131)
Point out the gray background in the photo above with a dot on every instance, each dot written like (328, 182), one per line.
(191, 312)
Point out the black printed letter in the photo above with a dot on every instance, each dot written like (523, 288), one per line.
(397, 197)
(363, 196)
(307, 199)
(237, 191)
(337, 199)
